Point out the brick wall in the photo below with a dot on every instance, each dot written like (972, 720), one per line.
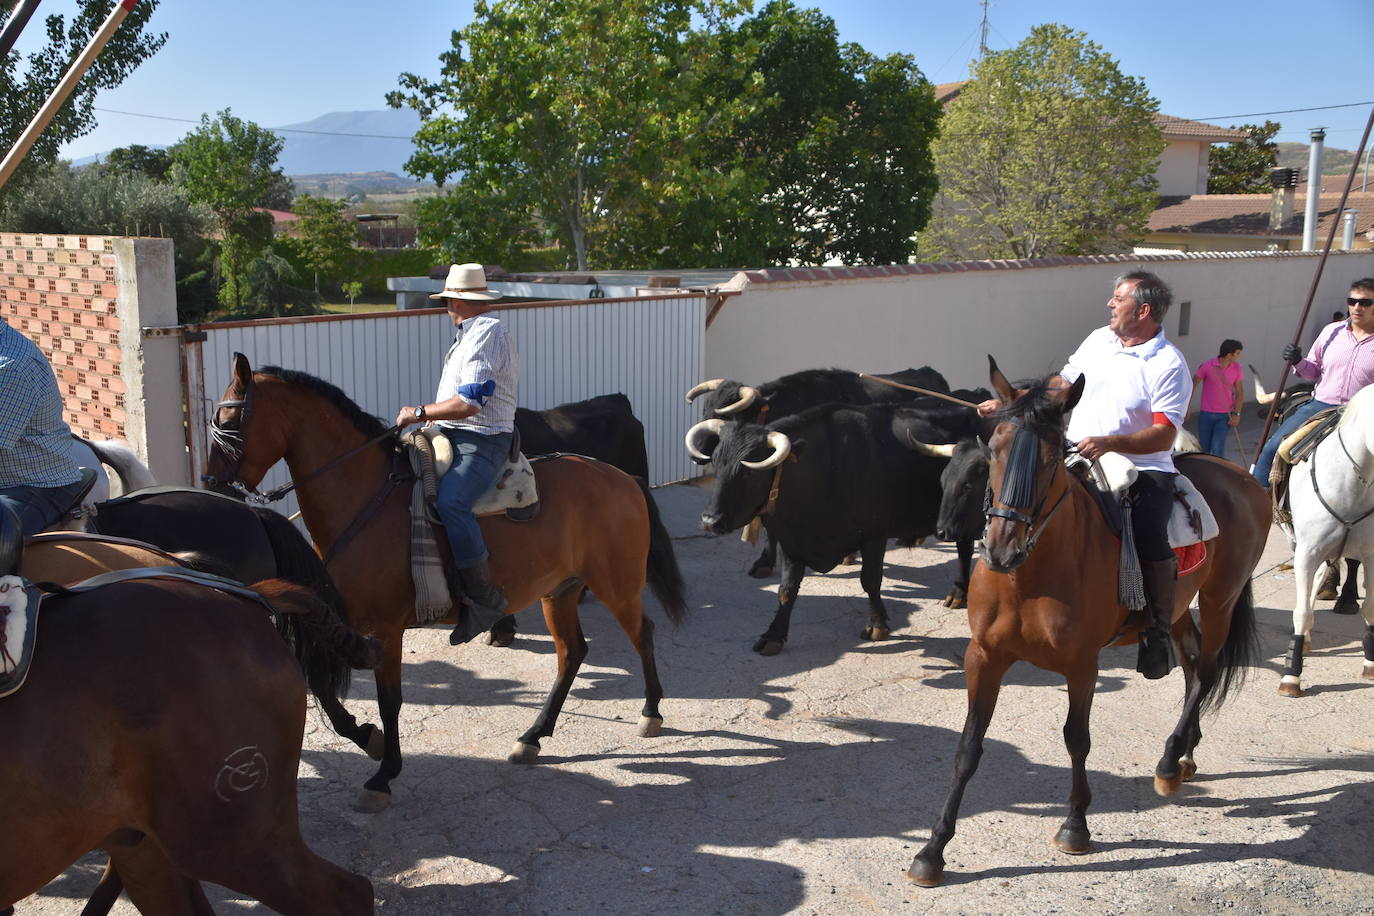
(62, 293)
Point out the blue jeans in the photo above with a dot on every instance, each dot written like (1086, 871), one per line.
(38, 507)
(477, 459)
(1271, 448)
(1211, 432)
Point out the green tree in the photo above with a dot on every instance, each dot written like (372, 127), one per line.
(1243, 167)
(352, 289)
(1048, 150)
(324, 235)
(229, 165)
(25, 84)
(150, 161)
(579, 118)
(840, 154)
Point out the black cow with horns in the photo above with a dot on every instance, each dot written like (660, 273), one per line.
(829, 481)
(731, 400)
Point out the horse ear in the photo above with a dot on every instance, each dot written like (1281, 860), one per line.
(1005, 392)
(243, 373)
(1075, 392)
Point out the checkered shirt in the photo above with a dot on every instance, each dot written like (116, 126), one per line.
(35, 442)
(483, 350)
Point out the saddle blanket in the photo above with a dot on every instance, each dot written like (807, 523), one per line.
(1192, 520)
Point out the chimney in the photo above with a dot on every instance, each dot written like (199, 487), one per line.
(1314, 190)
(1283, 181)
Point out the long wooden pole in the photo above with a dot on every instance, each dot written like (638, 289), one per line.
(1314, 187)
(926, 391)
(18, 20)
(63, 89)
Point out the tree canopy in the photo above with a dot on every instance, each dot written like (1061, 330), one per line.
(1243, 167)
(578, 118)
(26, 82)
(1048, 150)
(324, 235)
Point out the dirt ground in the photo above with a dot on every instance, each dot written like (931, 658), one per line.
(806, 782)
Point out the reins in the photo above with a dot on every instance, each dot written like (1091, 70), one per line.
(1316, 489)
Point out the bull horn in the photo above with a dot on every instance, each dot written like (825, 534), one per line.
(712, 426)
(747, 396)
(1262, 397)
(781, 447)
(934, 451)
(702, 387)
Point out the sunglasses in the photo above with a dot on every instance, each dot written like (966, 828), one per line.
(1351, 300)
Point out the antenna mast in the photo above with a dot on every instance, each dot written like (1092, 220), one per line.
(983, 35)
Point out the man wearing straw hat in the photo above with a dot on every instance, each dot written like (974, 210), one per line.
(475, 408)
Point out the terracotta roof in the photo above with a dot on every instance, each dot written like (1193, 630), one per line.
(945, 92)
(1183, 129)
(1248, 214)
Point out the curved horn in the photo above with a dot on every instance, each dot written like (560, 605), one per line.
(1262, 397)
(781, 447)
(701, 388)
(747, 396)
(934, 451)
(712, 426)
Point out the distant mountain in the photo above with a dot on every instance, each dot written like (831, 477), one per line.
(1334, 161)
(346, 141)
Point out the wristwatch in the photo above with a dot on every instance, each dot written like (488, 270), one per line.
(420, 412)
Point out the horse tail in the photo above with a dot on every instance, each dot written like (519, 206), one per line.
(297, 563)
(120, 455)
(1239, 653)
(665, 578)
(325, 630)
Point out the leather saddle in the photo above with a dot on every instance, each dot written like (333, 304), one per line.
(1296, 447)
(1110, 478)
(513, 493)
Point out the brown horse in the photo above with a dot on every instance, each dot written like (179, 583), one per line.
(1046, 592)
(175, 750)
(596, 526)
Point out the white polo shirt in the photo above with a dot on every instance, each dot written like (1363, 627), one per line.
(1125, 387)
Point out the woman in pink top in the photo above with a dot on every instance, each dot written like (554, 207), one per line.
(1221, 398)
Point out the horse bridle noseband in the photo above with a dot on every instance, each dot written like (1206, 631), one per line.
(1026, 467)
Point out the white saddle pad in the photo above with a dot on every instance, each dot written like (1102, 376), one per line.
(1115, 472)
(514, 487)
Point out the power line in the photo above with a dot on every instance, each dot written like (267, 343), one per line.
(275, 130)
(1261, 114)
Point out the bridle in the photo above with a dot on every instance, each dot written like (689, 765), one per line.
(230, 440)
(1018, 486)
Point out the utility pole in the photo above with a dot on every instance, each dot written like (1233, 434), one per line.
(983, 33)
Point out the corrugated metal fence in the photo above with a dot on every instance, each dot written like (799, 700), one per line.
(649, 348)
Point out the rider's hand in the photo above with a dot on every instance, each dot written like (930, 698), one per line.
(1092, 447)
(1292, 353)
(992, 405)
(406, 417)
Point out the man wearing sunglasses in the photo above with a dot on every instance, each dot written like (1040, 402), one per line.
(1341, 362)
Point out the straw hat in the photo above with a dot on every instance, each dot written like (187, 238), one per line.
(466, 281)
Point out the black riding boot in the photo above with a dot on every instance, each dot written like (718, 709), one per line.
(1161, 580)
(485, 604)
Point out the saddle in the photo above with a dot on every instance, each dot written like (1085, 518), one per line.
(1295, 447)
(74, 515)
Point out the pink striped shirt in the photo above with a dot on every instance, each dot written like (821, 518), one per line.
(1341, 363)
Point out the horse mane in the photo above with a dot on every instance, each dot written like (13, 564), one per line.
(1042, 417)
(366, 423)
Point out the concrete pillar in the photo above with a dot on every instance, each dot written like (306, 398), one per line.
(151, 366)
(1314, 190)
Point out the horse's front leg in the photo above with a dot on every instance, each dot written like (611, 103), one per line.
(1073, 836)
(560, 614)
(773, 638)
(871, 578)
(1305, 565)
(984, 673)
(367, 736)
(376, 792)
(958, 595)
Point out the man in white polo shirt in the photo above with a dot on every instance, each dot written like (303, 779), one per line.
(1136, 392)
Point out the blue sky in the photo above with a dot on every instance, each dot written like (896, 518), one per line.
(288, 61)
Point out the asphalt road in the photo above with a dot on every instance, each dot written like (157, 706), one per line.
(805, 783)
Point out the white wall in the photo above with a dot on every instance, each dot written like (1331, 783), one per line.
(1029, 318)
(1183, 168)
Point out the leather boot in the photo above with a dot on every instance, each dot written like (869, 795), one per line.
(1161, 580)
(484, 605)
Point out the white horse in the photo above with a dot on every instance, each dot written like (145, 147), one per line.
(1331, 493)
(130, 474)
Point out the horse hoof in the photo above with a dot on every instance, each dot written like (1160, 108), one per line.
(1167, 786)
(1343, 606)
(501, 640)
(1290, 688)
(926, 873)
(1187, 768)
(1368, 670)
(1073, 840)
(523, 753)
(650, 726)
(370, 801)
(760, 572)
(956, 600)
(876, 634)
(766, 646)
(376, 743)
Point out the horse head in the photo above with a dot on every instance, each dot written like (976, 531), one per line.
(1026, 457)
(234, 468)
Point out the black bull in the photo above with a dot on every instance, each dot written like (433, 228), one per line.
(846, 478)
